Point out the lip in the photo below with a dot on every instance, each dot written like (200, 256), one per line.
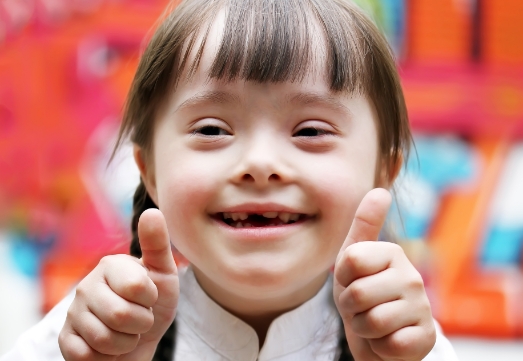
(260, 208)
(261, 234)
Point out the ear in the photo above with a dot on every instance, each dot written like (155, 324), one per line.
(386, 179)
(146, 172)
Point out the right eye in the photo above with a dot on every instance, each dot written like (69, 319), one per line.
(211, 131)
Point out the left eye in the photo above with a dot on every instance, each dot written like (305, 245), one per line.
(211, 130)
(310, 132)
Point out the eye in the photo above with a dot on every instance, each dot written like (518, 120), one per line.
(211, 131)
(311, 132)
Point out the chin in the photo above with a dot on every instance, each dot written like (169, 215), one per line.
(265, 278)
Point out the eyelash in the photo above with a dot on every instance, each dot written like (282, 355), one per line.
(321, 132)
(201, 131)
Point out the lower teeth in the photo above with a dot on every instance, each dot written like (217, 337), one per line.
(248, 225)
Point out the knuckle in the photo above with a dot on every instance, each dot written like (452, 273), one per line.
(71, 314)
(111, 261)
(137, 285)
(121, 316)
(415, 282)
(103, 342)
(107, 260)
(81, 290)
(376, 321)
(357, 293)
(70, 352)
(431, 337)
(63, 341)
(394, 248)
(396, 346)
(352, 258)
(80, 354)
(426, 309)
(130, 344)
(148, 321)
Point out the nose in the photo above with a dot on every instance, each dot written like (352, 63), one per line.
(262, 163)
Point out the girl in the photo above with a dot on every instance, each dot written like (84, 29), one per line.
(265, 132)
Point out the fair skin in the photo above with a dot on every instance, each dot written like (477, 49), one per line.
(223, 150)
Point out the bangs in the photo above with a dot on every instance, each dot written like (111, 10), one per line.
(269, 41)
(277, 41)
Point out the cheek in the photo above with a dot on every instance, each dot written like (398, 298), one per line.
(184, 190)
(338, 185)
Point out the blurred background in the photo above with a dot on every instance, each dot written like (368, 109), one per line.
(66, 65)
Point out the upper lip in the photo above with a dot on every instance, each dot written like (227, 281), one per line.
(259, 208)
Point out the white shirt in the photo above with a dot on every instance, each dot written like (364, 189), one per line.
(205, 331)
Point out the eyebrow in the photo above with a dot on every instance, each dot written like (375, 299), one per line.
(209, 96)
(321, 100)
(302, 98)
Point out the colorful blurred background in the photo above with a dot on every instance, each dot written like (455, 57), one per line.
(66, 65)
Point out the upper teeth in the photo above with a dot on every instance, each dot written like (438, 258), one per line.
(283, 216)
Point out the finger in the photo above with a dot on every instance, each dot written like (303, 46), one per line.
(369, 218)
(121, 315)
(383, 319)
(129, 279)
(155, 243)
(411, 343)
(370, 291)
(73, 347)
(365, 259)
(101, 338)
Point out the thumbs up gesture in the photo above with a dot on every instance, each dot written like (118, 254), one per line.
(379, 294)
(124, 306)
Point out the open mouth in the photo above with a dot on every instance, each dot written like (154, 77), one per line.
(265, 219)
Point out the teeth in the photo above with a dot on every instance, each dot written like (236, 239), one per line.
(270, 214)
(284, 216)
(294, 217)
(235, 216)
(239, 225)
(247, 225)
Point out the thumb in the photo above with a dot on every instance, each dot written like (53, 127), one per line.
(369, 218)
(155, 243)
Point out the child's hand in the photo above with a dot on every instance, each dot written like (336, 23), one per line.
(379, 293)
(124, 306)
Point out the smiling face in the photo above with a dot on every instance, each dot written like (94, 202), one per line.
(259, 182)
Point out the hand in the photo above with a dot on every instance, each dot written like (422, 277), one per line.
(379, 294)
(125, 305)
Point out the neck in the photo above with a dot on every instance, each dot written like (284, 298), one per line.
(259, 312)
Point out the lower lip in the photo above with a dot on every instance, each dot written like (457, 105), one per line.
(261, 234)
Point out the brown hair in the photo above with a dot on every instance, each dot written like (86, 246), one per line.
(268, 41)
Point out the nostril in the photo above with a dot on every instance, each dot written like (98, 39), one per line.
(260, 178)
(248, 178)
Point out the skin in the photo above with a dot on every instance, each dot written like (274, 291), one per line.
(222, 147)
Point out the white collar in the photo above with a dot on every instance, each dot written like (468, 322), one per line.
(236, 340)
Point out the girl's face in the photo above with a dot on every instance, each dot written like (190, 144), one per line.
(259, 183)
